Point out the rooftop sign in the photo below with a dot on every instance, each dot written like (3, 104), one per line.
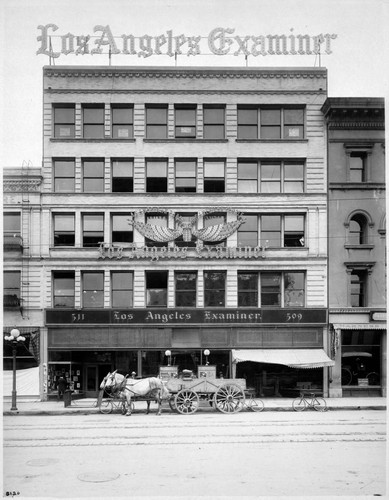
(220, 41)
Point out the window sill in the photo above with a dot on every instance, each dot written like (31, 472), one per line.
(359, 247)
(185, 139)
(271, 140)
(82, 139)
(356, 185)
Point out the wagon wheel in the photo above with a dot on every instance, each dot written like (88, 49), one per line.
(186, 402)
(229, 398)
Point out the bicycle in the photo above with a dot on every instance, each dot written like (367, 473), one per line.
(317, 403)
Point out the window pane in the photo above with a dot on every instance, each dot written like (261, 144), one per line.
(214, 132)
(185, 168)
(270, 289)
(156, 168)
(63, 185)
(93, 115)
(247, 186)
(294, 116)
(93, 281)
(294, 289)
(122, 115)
(271, 171)
(270, 117)
(247, 170)
(293, 171)
(93, 222)
(64, 168)
(156, 131)
(156, 115)
(64, 115)
(11, 223)
(122, 168)
(122, 280)
(64, 222)
(186, 117)
(214, 169)
(213, 115)
(247, 116)
(94, 131)
(122, 131)
(270, 132)
(293, 132)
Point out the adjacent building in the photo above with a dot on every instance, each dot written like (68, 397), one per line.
(357, 245)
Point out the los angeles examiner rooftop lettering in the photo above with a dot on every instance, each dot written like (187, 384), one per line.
(220, 41)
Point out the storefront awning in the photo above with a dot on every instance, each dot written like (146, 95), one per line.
(359, 326)
(295, 358)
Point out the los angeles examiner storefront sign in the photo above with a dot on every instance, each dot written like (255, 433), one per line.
(185, 316)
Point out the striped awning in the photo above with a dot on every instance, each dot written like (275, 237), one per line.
(295, 358)
(359, 326)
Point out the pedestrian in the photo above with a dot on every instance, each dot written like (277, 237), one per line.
(61, 385)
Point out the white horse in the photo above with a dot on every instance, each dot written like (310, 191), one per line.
(150, 388)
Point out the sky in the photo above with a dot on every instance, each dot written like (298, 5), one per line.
(357, 67)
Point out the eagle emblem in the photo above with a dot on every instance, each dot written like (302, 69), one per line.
(186, 229)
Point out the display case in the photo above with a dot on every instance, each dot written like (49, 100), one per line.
(168, 372)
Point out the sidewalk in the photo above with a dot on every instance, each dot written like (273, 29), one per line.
(88, 406)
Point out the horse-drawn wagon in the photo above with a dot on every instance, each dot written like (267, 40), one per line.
(188, 390)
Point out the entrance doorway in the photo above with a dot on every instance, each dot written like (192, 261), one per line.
(94, 375)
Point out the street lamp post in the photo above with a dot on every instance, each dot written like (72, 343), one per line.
(14, 338)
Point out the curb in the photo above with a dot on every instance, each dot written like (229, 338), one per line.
(97, 412)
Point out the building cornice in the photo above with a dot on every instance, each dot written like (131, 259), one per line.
(22, 185)
(182, 72)
(184, 92)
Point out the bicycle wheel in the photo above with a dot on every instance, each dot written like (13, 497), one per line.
(346, 376)
(373, 378)
(319, 404)
(106, 406)
(299, 404)
(256, 405)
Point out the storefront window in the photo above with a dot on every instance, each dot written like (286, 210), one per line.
(361, 357)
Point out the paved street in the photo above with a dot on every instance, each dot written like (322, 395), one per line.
(206, 454)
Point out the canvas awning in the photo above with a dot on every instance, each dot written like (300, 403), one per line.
(295, 358)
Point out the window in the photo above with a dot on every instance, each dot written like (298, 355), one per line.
(215, 219)
(247, 123)
(357, 230)
(214, 288)
(11, 289)
(294, 231)
(358, 167)
(122, 121)
(156, 122)
(185, 289)
(64, 176)
(156, 219)
(93, 176)
(122, 176)
(247, 289)
(288, 229)
(248, 232)
(156, 288)
(247, 177)
(358, 288)
(122, 289)
(270, 177)
(214, 181)
(93, 230)
(64, 121)
(294, 289)
(93, 121)
(213, 122)
(64, 233)
(275, 176)
(189, 220)
(63, 289)
(185, 121)
(185, 176)
(271, 231)
(271, 123)
(122, 229)
(156, 176)
(92, 289)
(11, 224)
(283, 289)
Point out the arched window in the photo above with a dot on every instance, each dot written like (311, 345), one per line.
(358, 230)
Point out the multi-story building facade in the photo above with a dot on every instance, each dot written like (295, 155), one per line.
(180, 209)
(357, 245)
